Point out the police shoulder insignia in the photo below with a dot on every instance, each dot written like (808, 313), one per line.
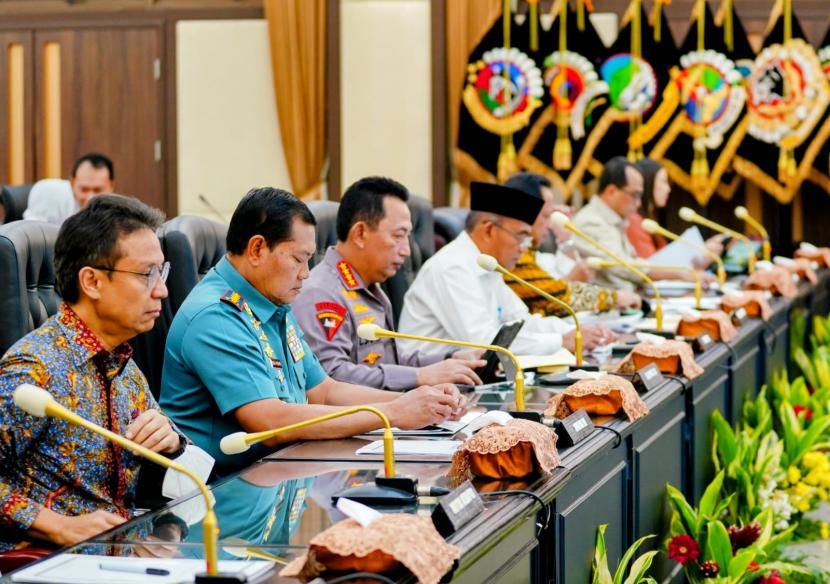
(330, 315)
(347, 274)
(234, 299)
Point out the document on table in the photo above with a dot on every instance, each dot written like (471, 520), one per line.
(82, 569)
(446, 428)
(423, 447)
(678, 253)
(561, 357)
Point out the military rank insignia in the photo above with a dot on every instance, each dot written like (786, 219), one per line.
(295, 345)
(234, 299)
(330, 315)
(347, 274)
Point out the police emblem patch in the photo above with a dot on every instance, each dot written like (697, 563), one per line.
(330, 315)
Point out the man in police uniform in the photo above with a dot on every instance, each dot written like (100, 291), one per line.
(235, 357)
(343, 292)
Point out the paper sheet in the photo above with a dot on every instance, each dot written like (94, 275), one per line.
(560, 357)
(678, 253)
(83, 569)
(426, 447)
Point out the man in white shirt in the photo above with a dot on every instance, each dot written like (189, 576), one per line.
(55, 200)
(453, 298)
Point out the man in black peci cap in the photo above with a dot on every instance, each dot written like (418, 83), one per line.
(453, 298)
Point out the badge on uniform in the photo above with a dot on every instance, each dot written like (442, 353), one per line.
(347, 273)
(348, 294)
(277, 364)
(368, 320)
(297, 504)
(372, 358)
(295, 345)
(360, 308)
(330, 315)
(234, 299)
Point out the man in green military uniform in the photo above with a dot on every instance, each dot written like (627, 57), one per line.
(235, 357)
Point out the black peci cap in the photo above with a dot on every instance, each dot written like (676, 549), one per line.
(505, 201)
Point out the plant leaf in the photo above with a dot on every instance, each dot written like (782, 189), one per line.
(640, 567)
(718, 546)
(601, 574)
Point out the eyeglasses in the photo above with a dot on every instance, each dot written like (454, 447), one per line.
(155, 275)
(524, 241)
(633, 194)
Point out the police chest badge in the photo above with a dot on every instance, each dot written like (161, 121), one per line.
(330, 315)
(295, 346)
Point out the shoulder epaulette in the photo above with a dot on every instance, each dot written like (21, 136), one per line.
(346, 272)
(234, 299)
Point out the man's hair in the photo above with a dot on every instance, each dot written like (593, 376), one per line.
(476, 217)
(528, 182)
(97, 161)
(90, 237)
(614, 173)
(363, 201)
(268, 212)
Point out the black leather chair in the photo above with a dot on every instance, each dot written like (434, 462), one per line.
(325, 212)
(27, 287)
(192, 245)
(14, 200)
(449, 222)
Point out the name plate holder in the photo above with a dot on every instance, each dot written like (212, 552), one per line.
(456, 509)
(573, 429)
(739, 316)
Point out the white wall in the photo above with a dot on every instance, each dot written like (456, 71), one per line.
(385, 84)
(228, 132)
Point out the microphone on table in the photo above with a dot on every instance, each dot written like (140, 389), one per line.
(689, 215)
(562, 221)
(742, 213)
(599, 263)
(372, 332)
(39, 402)
(490, 264)
(651, 226)
(388, 490)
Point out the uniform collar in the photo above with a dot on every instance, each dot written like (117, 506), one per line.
(606, 212)
(86, 346)
(349, 277)
(263, 308)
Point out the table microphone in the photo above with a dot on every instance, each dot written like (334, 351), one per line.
(562, 221)
(651, 226)
(742, 213)
(39, 402)
(372, 332)
(490, 264)
(600, 263)
(689, 215)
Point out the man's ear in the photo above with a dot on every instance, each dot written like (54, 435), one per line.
(357, 234)
(256, 247)
(89, 282)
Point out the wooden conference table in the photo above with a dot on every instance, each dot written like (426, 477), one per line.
(617, 476)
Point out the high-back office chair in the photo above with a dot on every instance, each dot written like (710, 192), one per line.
(449, 222)
(27, 287)
(192, 245)
(325, 213)
(14, 200)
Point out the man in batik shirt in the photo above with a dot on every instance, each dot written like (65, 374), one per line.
(536, 267)
(60, 483)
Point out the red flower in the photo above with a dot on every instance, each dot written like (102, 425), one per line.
(808, 413)
(753, 566)
(683, 549)
(773, 578)
(709, 569)
(742, 537)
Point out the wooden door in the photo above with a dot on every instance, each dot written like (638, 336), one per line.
(17, 160)
(100, 90)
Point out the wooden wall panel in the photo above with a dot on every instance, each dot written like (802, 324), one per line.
(16, 101)
(111, 102)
